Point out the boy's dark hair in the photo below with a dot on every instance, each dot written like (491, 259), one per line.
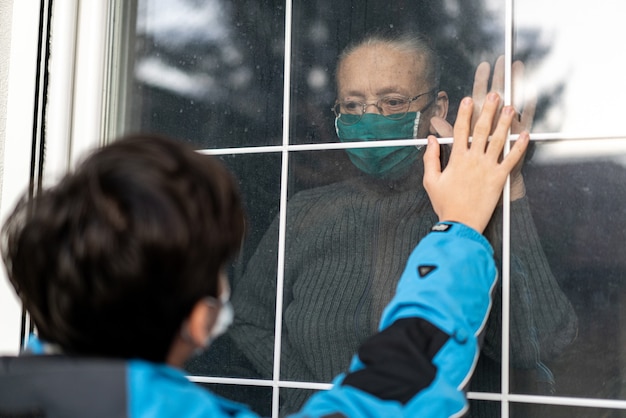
(111, 260)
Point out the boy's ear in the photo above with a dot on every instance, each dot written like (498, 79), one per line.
(200, 322)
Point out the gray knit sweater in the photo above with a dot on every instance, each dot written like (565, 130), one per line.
(346, 247)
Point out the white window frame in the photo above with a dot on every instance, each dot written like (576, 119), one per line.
(81, 56)
(17, 146)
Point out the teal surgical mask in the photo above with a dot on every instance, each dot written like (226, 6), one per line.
(380, 162)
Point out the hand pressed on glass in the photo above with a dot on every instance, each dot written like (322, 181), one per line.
(521, 121)
(475, 171)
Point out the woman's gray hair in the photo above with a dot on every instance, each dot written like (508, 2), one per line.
(410, 43)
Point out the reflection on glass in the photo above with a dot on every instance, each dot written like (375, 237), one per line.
(209, 72)
(569, 67)
(578, 200)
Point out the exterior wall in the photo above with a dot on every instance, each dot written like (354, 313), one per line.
(6, 8)
(19, 22)
(7, 300)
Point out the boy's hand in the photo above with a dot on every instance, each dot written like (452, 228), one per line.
(469, 188)
(525, 97)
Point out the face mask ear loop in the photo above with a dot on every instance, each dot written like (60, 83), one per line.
(416, 124)
(224, 317)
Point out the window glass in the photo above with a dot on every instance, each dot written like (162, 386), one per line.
(290, 395)
(577, 194)
(463, 34)
(485, 408)
(209, 72)
(535, 410)
(259, 185)
(577, 72)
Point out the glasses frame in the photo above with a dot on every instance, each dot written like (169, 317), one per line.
(396, 116)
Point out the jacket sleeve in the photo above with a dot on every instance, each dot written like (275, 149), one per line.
(420, 362)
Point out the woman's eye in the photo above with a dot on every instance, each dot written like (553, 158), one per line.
(394, 102)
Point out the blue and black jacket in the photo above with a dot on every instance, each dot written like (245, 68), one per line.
(419, 364)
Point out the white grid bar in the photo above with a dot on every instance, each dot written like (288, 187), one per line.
(260, 382)
(282, 211)
(535, 137)
(569, 401)
(506, 220)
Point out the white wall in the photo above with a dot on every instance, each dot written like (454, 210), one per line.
(19, 27)
(74, 107)
(6, 9)
(7, 301)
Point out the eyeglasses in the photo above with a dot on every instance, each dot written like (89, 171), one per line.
(393, 107)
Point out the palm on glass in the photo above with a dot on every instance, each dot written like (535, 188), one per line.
(521, 121)
(469, 187)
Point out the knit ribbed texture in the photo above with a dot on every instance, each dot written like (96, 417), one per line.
(346, 247)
